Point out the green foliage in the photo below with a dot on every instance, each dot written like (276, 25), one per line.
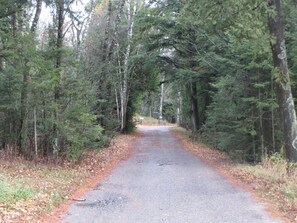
(169, 112)
(59, 95)
(222, 48)
(240, 117)
(227, 116)
(12, 191)
(80, 132)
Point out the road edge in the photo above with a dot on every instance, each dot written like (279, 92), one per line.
(223, 164)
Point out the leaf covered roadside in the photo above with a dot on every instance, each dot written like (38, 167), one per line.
(29, 191)
(268, 181)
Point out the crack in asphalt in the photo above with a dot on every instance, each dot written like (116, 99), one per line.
(113, 200)
(166, 163)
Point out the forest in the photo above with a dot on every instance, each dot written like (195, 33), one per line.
(74, 73)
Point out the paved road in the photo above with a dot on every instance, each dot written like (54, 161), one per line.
(163, 183)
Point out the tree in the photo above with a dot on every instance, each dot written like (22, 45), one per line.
(283, 85)
(219, 54)
(46, 100)
(26, 80)
(116, 77)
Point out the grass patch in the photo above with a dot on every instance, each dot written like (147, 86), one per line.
(290, 192)
(43, 185)
(56, 198)
(276, 182)
(11, 191)
(60, 175)
(182, 132)
(148, 120)
(27, 190)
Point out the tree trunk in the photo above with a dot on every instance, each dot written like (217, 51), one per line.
(35, 133)
(24, 113)
(26, 82)
(125, 78)
(115, 41)
(59, 43)
(36, 16)
(60, 17)
(179, 109)
(272, 117)
(283, 86)
(161, 100)
(14, 24)
(25, 88)
(194, 104)
(106, 44)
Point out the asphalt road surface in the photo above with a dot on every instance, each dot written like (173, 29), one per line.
(161, 182)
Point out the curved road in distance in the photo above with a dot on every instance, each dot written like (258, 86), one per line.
(161, 182)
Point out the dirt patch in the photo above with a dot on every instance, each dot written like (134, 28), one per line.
(238, 176)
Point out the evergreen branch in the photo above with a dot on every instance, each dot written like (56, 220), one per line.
(170, 61)
(11, 9)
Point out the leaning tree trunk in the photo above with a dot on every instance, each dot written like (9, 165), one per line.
(283, 86)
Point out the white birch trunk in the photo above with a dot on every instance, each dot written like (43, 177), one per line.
(179, 106)
(161, 100)
(118, 105)
(124, 82)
